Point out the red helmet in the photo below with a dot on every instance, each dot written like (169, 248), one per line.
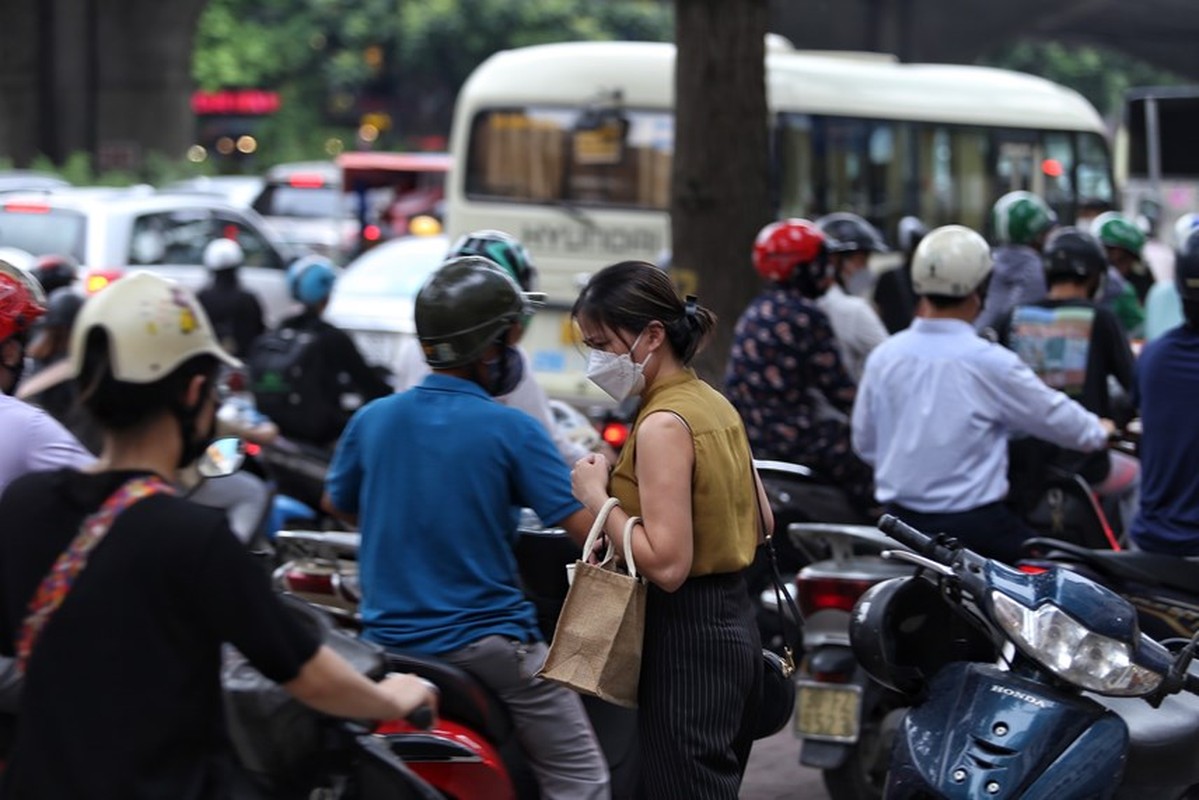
(782, 246)
(21, 301)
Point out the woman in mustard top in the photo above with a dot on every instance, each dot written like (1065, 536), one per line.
(688, 473)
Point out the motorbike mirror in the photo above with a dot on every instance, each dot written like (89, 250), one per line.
(223, 457)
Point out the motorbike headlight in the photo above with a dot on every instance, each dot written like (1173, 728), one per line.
(1072, 651)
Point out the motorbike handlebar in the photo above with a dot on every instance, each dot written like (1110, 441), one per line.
(421, 718)
(917, 541)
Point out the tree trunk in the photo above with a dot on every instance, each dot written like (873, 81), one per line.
(110, 77)
(719, 191)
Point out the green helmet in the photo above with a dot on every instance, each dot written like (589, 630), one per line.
(463, 307)
(1115, 230)
(1020, 217)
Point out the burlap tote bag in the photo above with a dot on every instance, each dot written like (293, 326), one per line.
(597, 643)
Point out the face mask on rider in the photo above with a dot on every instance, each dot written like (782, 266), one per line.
(617, 374)
(194, 441)
(504, 372)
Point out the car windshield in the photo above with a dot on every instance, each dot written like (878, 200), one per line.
(312, 202)
(40, 230)
(395, 270)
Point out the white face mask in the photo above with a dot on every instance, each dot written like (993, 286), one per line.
(617, 374)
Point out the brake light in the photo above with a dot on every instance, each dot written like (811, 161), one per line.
(304, 181)
(97, 279)
(372, 233)
(1031, 569)
(615, 433)
(252, 449)
(27, 208)
(823, 594)
(299, 580)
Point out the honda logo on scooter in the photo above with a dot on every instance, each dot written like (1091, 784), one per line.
(1025, 696)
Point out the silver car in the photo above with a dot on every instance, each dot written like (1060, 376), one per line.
(374, 298)
(111, 231)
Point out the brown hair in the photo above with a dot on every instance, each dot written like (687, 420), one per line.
(632, 294)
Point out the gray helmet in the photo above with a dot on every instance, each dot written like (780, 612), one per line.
(847, 233)
(463, 307)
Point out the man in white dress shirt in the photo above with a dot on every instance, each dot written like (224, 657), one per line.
(937, 403)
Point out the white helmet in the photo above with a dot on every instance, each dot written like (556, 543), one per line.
(153, 326)
(1183, 227)
(223, 254)
(951, 261)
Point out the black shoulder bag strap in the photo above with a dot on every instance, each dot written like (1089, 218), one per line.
(783, 598)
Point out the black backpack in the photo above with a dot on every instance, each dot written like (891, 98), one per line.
(285, 376)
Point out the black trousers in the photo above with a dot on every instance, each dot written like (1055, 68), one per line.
(993, 530)
(701, 682)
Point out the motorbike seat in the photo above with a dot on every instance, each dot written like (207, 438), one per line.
(463, 698)
(1169, 571)
(1161, 741)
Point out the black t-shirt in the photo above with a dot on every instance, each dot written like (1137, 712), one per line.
(235, 314)
(122, 696)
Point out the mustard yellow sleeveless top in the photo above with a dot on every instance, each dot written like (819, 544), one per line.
(724, 511)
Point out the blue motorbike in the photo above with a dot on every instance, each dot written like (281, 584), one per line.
(1023, 685)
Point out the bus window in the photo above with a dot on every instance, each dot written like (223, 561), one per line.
(543, 155)
(1094, 168)
(1057, 169)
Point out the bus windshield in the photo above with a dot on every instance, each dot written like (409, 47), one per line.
(544, 154)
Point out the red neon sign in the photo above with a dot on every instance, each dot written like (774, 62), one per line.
(250, 102)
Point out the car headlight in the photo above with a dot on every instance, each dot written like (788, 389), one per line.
(1072, 651)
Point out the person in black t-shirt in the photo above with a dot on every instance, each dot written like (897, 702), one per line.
(235, 312)
(122, 687)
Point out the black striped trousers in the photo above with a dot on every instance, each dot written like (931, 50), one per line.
(701, 676)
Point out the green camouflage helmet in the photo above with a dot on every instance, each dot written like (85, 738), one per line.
(1116, 230)
(463, 307)
(1020, 217)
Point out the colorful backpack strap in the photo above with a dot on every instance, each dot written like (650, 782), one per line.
(57, 584)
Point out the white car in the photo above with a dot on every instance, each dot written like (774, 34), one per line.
(373, 300)
(111, 231)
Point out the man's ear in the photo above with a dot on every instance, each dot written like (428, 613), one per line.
(196, 387)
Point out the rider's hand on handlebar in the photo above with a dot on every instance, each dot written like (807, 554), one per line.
(1110, 427)
(408, 693)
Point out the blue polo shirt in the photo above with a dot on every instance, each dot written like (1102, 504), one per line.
(1167, 388)
(437, 475)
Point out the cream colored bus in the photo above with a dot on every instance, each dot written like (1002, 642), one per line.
(568, 146)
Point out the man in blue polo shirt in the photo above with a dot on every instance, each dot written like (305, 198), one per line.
(1167, 385)
(436, 476)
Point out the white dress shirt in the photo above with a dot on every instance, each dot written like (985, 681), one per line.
(855, 324)
(934, 411)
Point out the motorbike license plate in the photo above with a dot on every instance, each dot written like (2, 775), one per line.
(827, 712)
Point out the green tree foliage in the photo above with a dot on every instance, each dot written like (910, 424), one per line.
(1099, 74)
(331, 60)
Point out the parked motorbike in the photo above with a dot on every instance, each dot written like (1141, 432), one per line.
(1023, 685)
(1164, 589)
(844, 719)
(796, 495)
(472, 751)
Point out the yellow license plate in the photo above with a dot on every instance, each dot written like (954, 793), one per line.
(827, 712)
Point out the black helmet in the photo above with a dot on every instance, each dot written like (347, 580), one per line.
(1073, 254)
(502, 248)
(902, 631)
(55, 271)
(61, 308)
(463, 307)
(848, 233)
(1186, 267)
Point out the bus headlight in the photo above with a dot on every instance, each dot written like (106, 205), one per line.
(1072, 651)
